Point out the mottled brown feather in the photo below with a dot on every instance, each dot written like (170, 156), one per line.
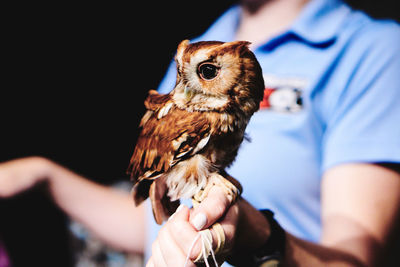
(154, 147)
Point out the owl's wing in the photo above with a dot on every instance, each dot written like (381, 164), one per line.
(168, 136)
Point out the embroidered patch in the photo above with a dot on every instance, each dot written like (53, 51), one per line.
(283, 94)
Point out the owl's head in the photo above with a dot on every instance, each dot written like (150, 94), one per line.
(215, 75)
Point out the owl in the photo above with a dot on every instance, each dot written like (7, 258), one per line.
(190, 135)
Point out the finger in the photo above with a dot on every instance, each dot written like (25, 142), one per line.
(229, 225)
(171, 252)
(183, 234)
(186, 235)
(211, 209)
(223, 241)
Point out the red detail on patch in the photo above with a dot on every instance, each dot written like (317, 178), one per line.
(264, 104)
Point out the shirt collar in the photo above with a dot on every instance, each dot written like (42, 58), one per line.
(318, 23)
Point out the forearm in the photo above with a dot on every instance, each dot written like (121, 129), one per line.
(254, 231)
(108, 213)
(303, 253)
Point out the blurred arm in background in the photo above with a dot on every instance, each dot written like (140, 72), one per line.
(108, 213)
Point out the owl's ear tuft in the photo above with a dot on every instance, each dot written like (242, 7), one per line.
(184, 43)
(181, 49)
(242, 43)
(238, 44)
(236, 47)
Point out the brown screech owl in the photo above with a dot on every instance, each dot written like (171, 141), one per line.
(189, 136)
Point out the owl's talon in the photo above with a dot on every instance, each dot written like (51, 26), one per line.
(230, 190)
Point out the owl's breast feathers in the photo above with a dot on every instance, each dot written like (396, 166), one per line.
(171, 135)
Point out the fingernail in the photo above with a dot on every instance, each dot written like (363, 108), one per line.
(199, 221)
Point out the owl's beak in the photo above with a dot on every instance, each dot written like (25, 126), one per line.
(188, 93)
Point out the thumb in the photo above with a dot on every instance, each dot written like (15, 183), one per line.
(211, 209)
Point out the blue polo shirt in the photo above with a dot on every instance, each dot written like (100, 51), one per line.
(332, 97)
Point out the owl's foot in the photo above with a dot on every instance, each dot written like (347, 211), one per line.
(232, 190)
(230, 186)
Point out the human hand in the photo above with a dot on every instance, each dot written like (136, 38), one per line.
(21, 174)
(176, 243)
(244, 227)
(250, 231)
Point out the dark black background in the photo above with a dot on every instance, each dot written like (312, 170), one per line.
(74, 77)
(77, 75)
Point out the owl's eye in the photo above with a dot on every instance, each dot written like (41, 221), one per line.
(208, 71)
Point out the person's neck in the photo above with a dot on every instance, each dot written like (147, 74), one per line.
(262, 19)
